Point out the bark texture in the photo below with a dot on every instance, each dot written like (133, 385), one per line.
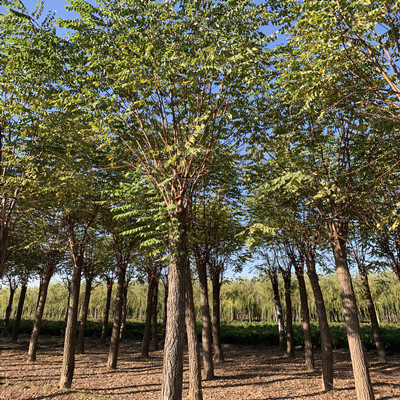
(115, 335)
(380, 348)
(106, 315)
(124, 311)
(149, 315)
(173, 347)
(154, 333)
(215, 272)
(17, 321)
(305, 316)
(37, 323)
(195, 391)
(326, 340)
(287, 281)
(273, 276)
(84, 315)
(12, 287)
(338, 237)
(68, 363)
(206, 332)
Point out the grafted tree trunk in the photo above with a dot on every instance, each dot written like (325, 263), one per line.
(206, 332)
(380, 348)
(173, 347)
(84, 315)
(106, 311)
(273, 276)
(37, 323)
(305, 316)
(13, 288)
(154, 334)
(17, 321)
(149, 314)
(195, 392)
(114, 343)
(287, 280)
(338, 235)
(68, 363)
(326, 340)
(124, 311)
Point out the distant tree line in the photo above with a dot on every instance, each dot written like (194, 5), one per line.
(241, 300)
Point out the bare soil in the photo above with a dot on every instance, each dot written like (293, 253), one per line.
(249, 372)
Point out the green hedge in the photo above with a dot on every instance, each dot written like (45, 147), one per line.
(242, 333)
(264, 333)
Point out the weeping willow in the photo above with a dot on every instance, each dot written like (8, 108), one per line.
(241, 300)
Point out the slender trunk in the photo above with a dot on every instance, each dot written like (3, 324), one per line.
(123, 318)
(396, 269)
(216, 320)
(195, 392)
(114, 343)
(68, 364)
(206, 332)
(173, 347)
(67, 308)
(37, 323)
(287, 280)
(17, 321)
(104, 328)
(4, 240)
(326, 340)
(278, 308)
(40, 289)
(305, 316)
(380, 348)
(8, 310)
(165, 311)
(85, 309)
(359, 363)
(154, 335)
(149, 314)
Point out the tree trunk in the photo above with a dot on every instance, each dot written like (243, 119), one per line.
(173, 347)
(216, 319)
(305, 316)
(287, 280)
(104, 328)
(68, 364)
(8, 310)
(380, 348)
(165, 311)
(37, 323)
(85, 309)
(278, 307)
(114, 343)
(68, 300)
(195, 392)
(149, 314)
(326, 340)
(206, 332)
(17, 321)
(154, 335)
(123, 318)
(359, 363)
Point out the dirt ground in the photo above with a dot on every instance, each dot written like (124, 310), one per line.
(251, 373)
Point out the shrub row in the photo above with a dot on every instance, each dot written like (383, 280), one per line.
(241, 333)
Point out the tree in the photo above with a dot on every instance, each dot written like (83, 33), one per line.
(27, 87)
(171, 105)
(358, 248)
